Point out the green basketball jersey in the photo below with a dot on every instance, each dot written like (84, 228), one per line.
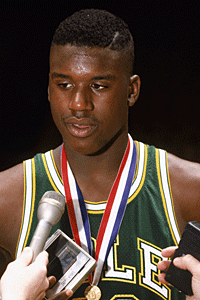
(148, 226)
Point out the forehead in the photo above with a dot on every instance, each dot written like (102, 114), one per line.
(85, 59)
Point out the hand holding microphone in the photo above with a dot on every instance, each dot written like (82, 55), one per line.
(25, 280)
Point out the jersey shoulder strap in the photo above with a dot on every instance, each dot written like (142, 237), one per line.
(40, 175)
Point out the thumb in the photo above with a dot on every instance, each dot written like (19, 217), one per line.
(25, 257)
(188, 262)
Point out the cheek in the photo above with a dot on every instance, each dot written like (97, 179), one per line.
(119, 109)
(115, 116)
(56, 107)
(58, 103)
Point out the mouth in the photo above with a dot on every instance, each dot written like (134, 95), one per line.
(80, 128)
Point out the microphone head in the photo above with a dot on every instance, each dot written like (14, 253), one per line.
(51, 207)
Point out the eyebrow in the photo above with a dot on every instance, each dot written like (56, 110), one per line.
(104, 77)
(99, 77)
(59, 75)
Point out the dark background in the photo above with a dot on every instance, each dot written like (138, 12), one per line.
(167, 44)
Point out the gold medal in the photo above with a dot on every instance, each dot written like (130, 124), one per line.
(93, 292)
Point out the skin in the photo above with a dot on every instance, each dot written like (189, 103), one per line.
(24, 280)
(89, 106)
(90, 92)
(186, 262)
(21, 274)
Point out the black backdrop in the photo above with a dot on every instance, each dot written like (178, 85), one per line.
(167, 45)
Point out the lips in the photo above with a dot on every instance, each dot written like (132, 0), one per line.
(80, 127)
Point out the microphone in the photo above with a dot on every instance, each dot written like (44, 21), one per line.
(50, 209)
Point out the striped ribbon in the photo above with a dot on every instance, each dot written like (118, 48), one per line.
(114, 211)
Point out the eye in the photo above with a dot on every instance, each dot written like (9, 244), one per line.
(65, 85)
(98, 87)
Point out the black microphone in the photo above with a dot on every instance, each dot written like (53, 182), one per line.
(50, 209)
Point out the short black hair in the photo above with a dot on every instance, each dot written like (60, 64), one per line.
(94, 27)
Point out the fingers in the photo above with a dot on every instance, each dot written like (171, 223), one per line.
(40, 266)
(161, 278)
(52, 281)
(42, 258)
(163, 265)
(169, 251)
(25, 257)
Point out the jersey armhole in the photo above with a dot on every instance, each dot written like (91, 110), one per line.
(165, 189)
(28, 204)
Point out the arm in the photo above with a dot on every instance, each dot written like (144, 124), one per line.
(185, 186)
(11, 207)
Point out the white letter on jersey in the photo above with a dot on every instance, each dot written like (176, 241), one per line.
(123, 273)
(150, 256)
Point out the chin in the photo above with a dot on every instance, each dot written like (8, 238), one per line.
(80, 147)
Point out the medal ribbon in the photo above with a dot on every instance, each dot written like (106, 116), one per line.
(114, 211)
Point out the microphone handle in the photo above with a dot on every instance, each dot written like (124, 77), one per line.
(39, 238)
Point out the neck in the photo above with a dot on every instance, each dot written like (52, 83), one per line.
(95, 174)
(102, 161)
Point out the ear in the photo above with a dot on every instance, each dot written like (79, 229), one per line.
(134, 89)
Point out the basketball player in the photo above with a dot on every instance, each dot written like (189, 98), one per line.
(126, 200)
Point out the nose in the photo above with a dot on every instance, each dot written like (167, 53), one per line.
(80, 100)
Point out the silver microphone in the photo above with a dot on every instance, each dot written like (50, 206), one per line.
(50, 209)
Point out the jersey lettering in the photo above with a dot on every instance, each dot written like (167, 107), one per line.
(150, 255)
(123, 273)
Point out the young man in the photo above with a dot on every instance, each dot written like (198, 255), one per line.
(91, 87)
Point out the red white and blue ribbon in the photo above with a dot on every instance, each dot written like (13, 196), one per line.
(114, 211)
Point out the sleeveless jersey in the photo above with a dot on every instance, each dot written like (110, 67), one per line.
(148, 226)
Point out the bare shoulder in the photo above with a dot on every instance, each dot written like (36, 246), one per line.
(185, 185)
(11, 206)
